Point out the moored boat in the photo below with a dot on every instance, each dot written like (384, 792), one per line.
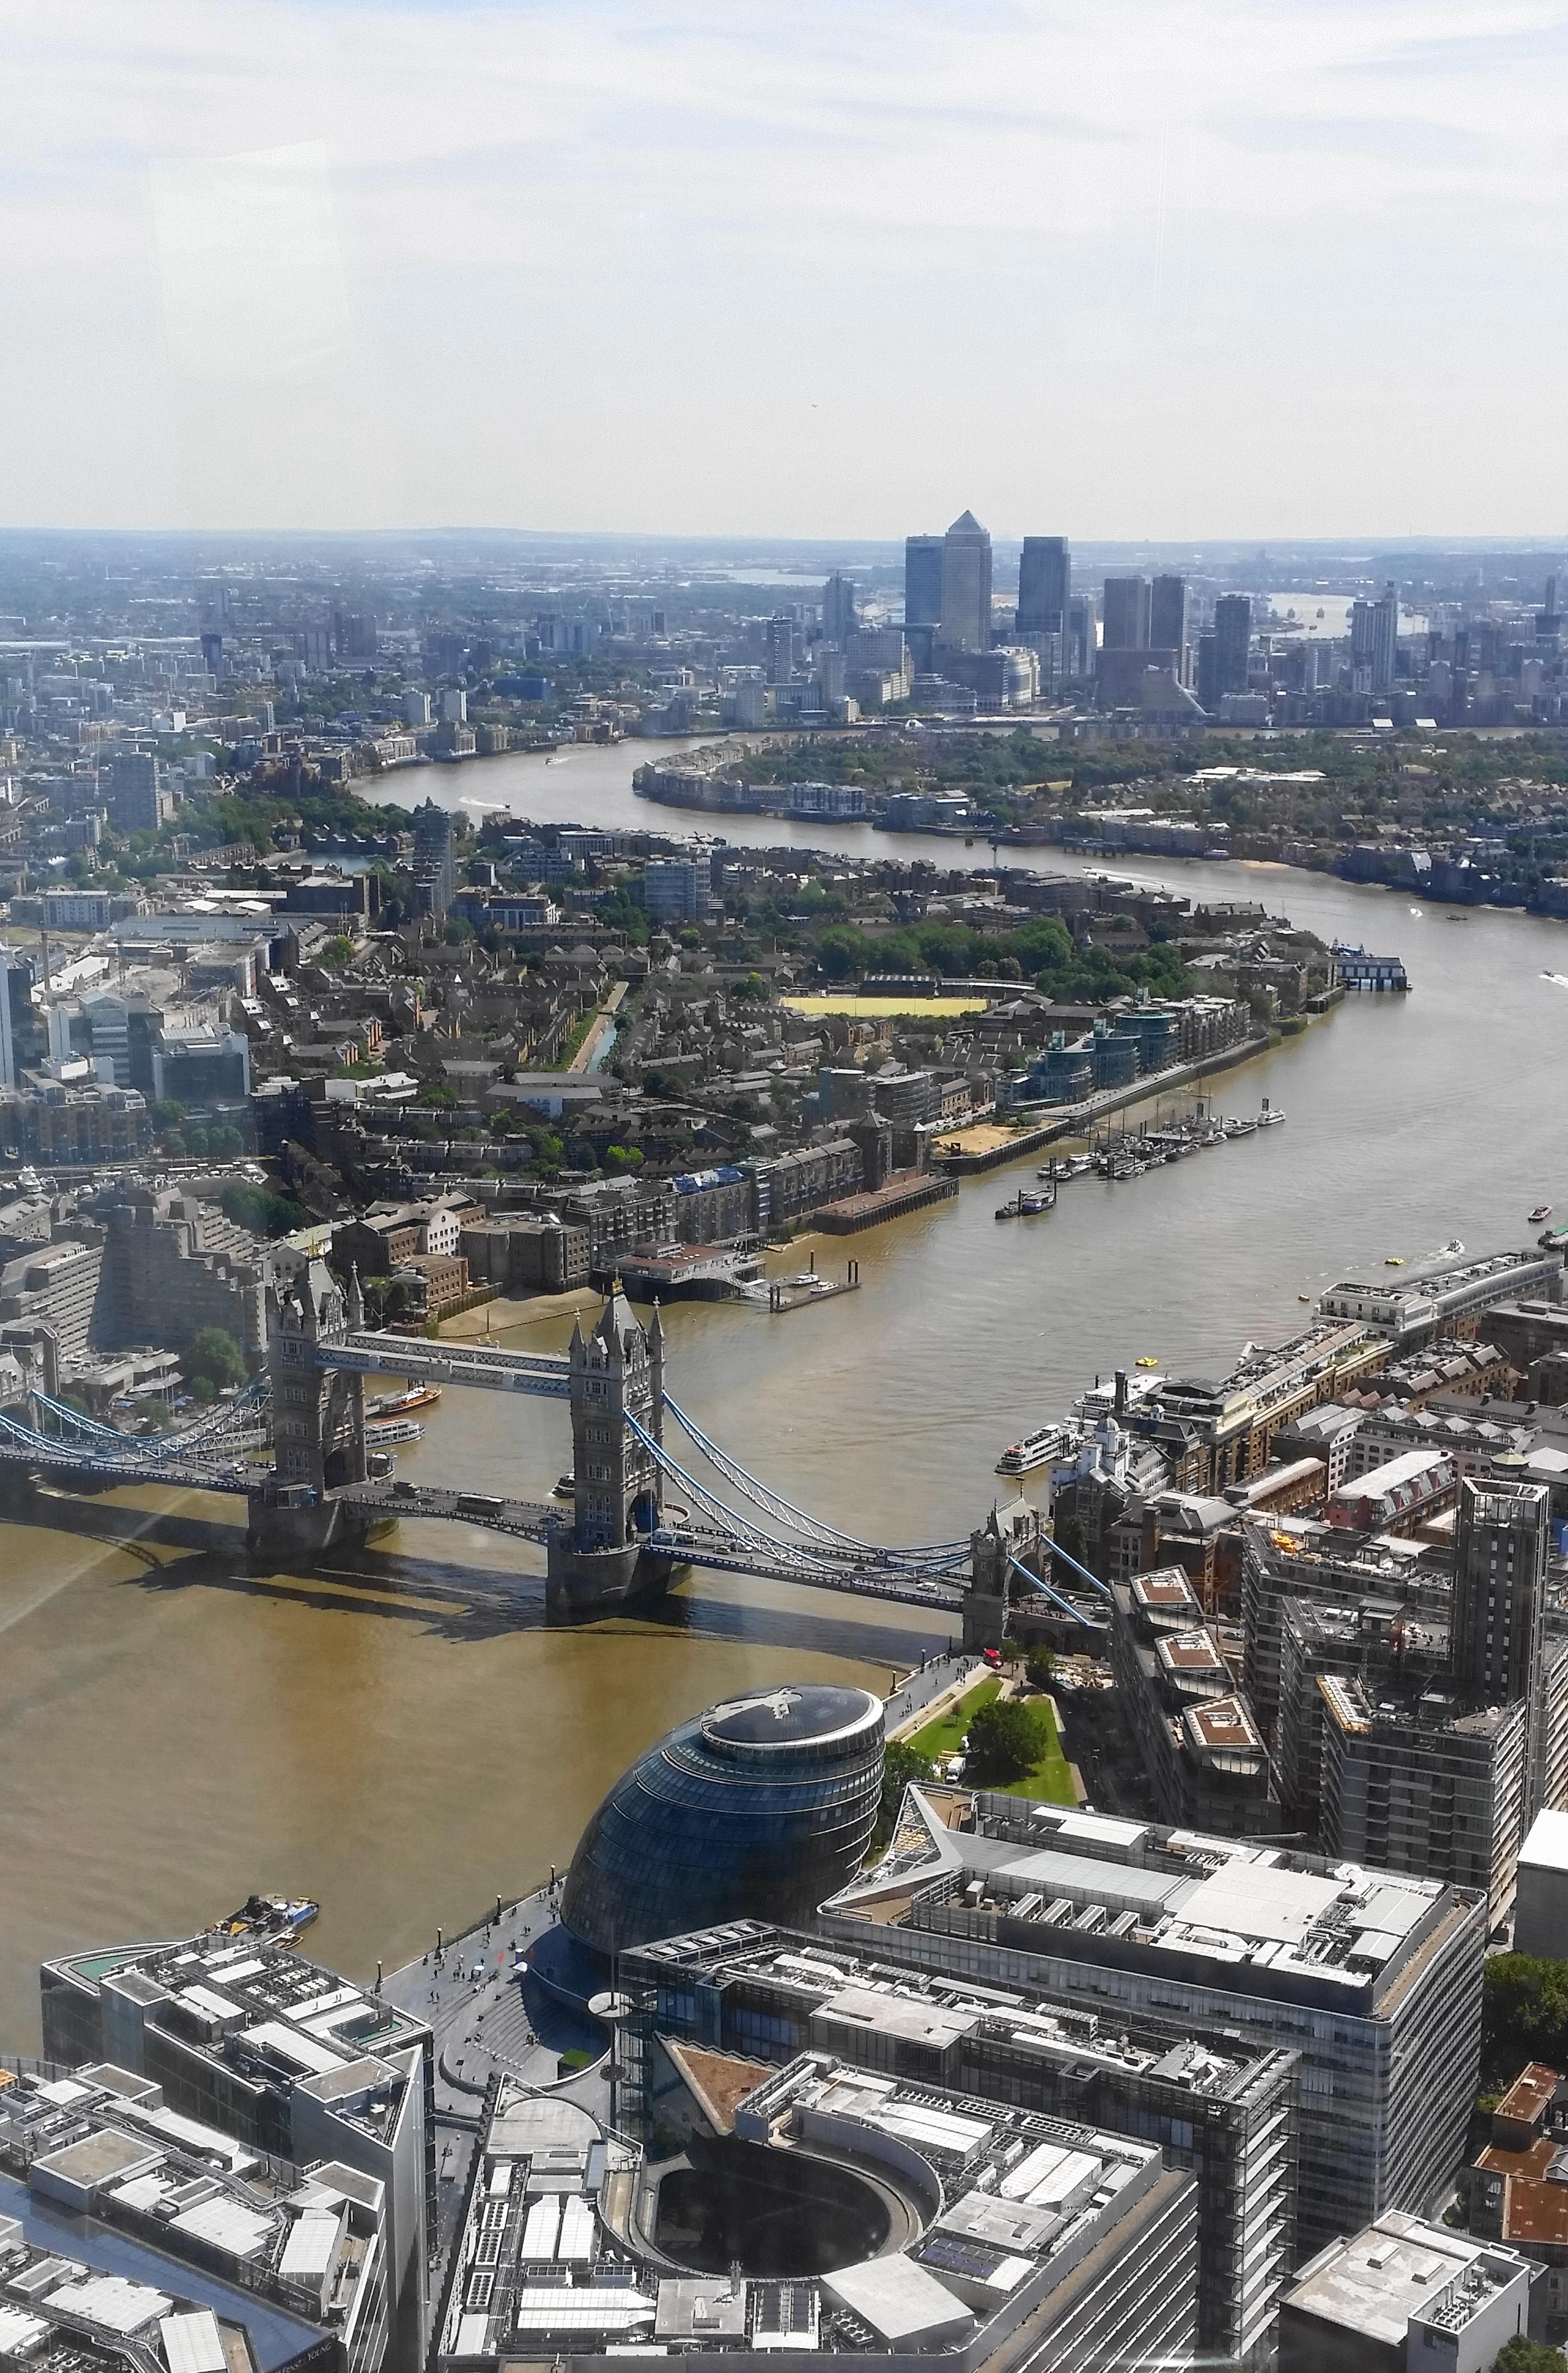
(1034, 1450)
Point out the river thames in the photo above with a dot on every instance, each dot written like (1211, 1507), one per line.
(175, 1730)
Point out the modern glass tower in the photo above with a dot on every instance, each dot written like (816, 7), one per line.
(966, 585)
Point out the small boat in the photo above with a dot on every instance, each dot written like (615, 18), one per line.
(279, 1916)
(1393, 1260)
(563, 1487)
(1146, 1361)
(1304, 1297)
(1270, 1117)
(807, 1279)
(1542, 1211)
(1029, 1203)
(417, 1396)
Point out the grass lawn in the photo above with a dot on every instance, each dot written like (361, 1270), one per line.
(945, 1736)
(879, 1009)
(1050, 1778)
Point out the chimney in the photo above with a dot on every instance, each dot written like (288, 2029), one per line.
(1122, 1392)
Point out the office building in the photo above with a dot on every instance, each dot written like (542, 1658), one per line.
(1385, 640)
(923, 580)
(1541, 1910)
(1125, 614)
(819, 2210)
(137, 800)
(1404, 2297)
(416, 709)
(1374, 1980)
(435, 870)
(200, 1064)
(1411, 1779)
(1224, 2112)
(1502, 1544)
(1233, 642)
(677, 889)
(131, 2236)
(1370, 1638)
(778, 642)
(756, 1810)
(1449, 1300)
(1170, 628)
(454, 704)
(966, 586)
(1299, 1557)
(56, 1286)
(1232, 1422)
(1203, 1754)
(283, 2057)
(838, 609)
(1045, 586)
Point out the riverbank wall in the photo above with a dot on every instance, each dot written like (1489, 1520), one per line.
(1076, 1120)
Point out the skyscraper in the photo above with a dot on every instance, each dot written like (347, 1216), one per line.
(923, 580)
(1385, 637)
(1125, 613)
(1233, 637)
(1168, 620)
(780, 643)
(1045, 585)
(966, 585)
(1501, 1542)
(434, 872)
(838, 609)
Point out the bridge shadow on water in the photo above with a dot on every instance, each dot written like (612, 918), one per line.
(463, 1603)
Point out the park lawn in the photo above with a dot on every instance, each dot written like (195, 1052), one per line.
(1050, 1778)
(882, 1009)
(945, 1736)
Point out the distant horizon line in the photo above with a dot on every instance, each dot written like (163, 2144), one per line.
(755, 543)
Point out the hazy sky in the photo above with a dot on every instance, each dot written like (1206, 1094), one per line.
(1104, 267)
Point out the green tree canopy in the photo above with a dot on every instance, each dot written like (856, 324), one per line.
(213, 1356)
(1006, 1738)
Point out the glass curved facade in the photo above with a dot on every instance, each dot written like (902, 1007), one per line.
(757, 1809)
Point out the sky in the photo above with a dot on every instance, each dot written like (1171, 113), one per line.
(1104, 268)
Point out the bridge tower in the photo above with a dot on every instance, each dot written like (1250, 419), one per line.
(317, 1416)
(616, 1371)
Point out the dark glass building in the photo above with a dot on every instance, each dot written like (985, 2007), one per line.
(757, 1809)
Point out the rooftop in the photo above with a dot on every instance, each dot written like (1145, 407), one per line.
(1397, 2270)
(1241, 1910)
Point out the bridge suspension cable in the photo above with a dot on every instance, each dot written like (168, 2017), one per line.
(736, 1525)
(783, 1511)
(1046, 1591)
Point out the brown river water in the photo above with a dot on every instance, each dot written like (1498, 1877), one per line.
(176, 1729)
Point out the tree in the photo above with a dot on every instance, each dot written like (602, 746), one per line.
(1040, 1665)
(1523, 2354)
(1524, 2013)
(900, 1766)
(1006, 1738)
(213, 1354)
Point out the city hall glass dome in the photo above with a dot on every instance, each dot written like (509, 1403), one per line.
(757, 1809)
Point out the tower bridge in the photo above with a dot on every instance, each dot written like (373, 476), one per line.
(638, 1510)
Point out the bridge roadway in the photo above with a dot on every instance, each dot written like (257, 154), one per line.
(424, 1362)
(74, 1464)
(684, 1545)
(525, 1519)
